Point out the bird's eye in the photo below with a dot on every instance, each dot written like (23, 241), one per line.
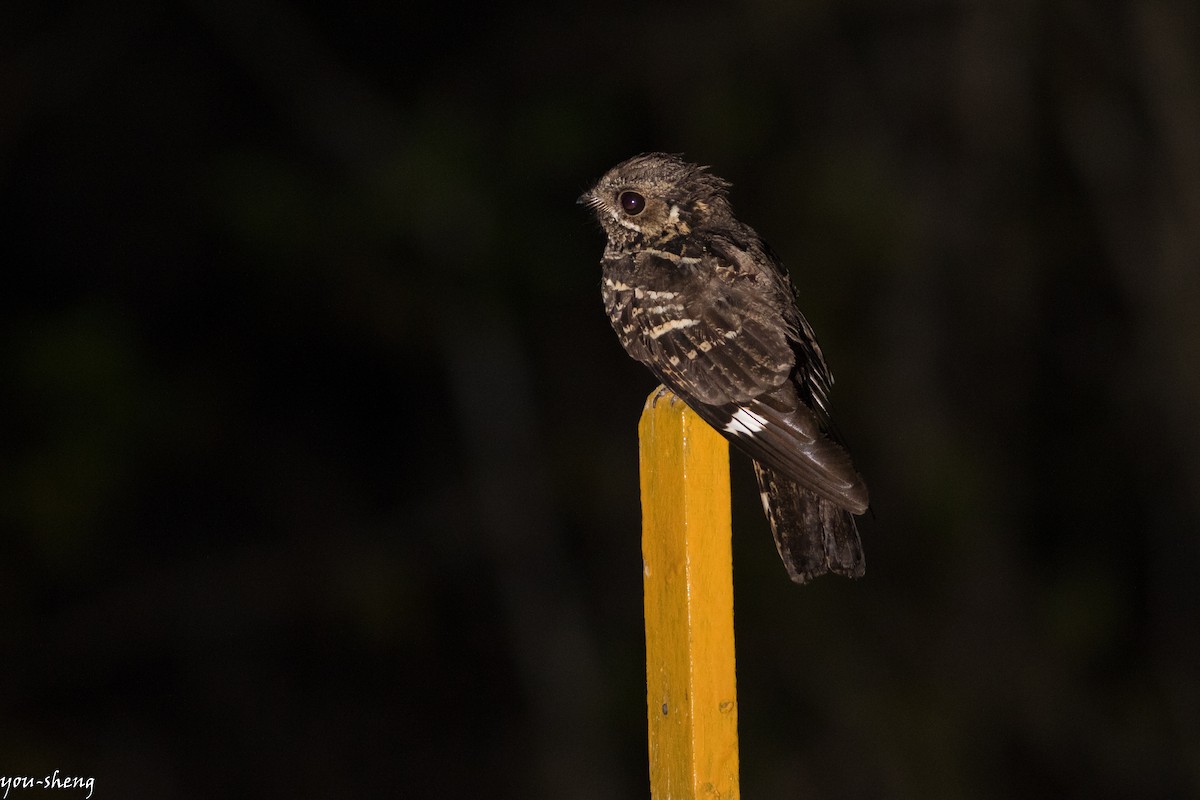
(632, 202)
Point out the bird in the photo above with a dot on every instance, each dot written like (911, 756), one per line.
(700, 299)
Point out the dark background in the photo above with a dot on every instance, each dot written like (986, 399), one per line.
(319, 456)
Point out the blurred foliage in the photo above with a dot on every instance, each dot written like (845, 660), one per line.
(319, 457)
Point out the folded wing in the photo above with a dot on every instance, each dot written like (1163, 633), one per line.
(755, 376)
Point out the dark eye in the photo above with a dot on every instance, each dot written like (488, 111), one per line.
(632, 202)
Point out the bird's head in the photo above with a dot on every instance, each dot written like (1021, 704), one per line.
(655, 197)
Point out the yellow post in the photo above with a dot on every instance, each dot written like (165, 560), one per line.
(691, 691)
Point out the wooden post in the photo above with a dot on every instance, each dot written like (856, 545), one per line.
(691, 691)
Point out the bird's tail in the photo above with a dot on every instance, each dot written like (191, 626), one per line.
(813, 535)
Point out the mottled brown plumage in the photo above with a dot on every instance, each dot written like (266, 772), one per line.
(698, 298)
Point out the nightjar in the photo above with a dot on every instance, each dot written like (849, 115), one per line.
(700, 299)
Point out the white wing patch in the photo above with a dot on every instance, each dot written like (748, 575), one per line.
(745, 423)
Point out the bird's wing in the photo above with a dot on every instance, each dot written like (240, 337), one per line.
(717, 353)
(784, 434)
(747, 363)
